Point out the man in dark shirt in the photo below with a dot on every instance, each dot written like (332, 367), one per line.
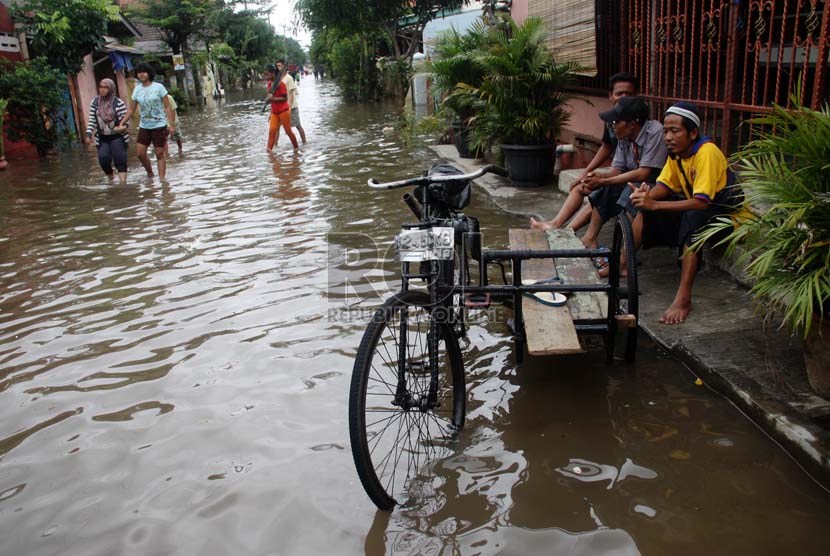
(620, 85)
(641, 154)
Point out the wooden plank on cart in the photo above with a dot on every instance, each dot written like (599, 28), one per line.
(583, 305)
(549, 330)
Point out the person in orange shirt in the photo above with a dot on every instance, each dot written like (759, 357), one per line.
(280, 111)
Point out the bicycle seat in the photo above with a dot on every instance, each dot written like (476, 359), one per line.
(453, 195)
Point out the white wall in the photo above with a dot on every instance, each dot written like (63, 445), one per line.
(460, 22)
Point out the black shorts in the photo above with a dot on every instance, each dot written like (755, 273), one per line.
(605, 200)
(157, 136)
(676, 229)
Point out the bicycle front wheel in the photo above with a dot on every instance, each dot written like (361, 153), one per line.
(407, 398)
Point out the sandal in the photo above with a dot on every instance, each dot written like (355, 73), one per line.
(548, 298)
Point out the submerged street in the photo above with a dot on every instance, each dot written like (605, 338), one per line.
(175, 362)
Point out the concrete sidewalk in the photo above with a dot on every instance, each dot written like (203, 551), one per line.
(724, 341)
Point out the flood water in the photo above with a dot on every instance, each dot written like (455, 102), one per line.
(175, 363)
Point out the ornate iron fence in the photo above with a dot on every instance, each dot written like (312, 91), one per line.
(733, 58)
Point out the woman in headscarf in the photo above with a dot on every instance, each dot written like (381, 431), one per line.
(105, 112)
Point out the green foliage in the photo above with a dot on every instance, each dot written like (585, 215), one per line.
(34, 90)
(398, 73)
(3, 104)
(179, 20)
(180, 97)
(377, 26)
(161, 67)
(786, 248)
(522, 98)
(458, 62)
(291, 50)
(357, 16)
(250, 37)
(64, 31)
(318, 52)
(356, 73)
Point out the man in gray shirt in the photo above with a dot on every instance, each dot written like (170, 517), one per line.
(640, 156)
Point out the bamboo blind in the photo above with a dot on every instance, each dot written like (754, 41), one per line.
(571, 30)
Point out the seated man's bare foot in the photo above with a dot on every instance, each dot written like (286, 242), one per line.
(677, 312)
(542, 224)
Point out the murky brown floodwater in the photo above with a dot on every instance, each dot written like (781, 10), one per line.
(174, 372)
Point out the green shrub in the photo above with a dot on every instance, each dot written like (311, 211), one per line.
(35, 92)
(523, 96)
(356, 72)
(181, 99)
(786, 248)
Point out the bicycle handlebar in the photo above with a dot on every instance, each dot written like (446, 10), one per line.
(439, 178)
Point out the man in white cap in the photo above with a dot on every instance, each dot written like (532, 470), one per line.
(695, 185)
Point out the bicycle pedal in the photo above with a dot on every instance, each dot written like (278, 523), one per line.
(477, 300)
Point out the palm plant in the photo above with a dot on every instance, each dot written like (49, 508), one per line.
(522, 98)
(457, 63)
(786, 248)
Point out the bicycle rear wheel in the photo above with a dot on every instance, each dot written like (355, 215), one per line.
(624, 242)
(398, 427)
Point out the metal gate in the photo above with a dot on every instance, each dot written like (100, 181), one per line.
(733, 58)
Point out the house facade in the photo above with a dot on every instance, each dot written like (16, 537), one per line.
(114, 61)
(732, 58)
(10, 47)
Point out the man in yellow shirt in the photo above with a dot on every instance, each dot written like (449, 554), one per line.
(695, 185)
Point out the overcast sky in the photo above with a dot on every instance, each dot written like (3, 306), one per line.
(283, 20)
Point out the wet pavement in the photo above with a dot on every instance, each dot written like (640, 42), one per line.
(175, 362)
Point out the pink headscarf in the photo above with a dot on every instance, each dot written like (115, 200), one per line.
(106, 103)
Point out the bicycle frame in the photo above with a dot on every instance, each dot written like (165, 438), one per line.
(440, 288)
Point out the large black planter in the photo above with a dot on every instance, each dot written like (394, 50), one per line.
(529, 165)
(461, 140)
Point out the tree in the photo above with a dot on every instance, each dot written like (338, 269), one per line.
(251, 37)
(402, 22)
(64, 31)
(180, 21)
(34, 90)
(291, 50)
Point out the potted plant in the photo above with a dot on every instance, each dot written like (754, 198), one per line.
(786, 246)
(522, 99)
(457, 63)
(3, 163)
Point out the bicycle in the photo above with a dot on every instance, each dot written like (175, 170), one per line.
(407, 395)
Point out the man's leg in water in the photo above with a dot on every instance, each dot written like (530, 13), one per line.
(141, 151)
(285, 121)
(273, 131)
(161, 161)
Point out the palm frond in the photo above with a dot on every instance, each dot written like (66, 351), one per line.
(786, 244)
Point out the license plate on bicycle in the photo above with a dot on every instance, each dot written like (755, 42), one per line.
(428, 244)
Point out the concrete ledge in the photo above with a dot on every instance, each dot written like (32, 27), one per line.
(724, 341)
(567, 177)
